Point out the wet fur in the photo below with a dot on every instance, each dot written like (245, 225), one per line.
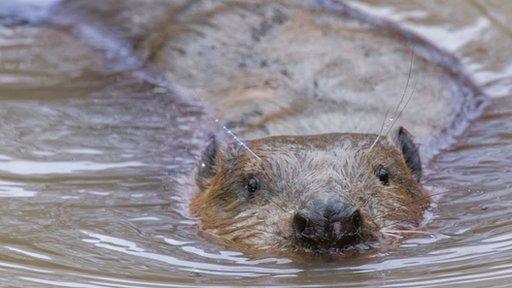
(296, 169)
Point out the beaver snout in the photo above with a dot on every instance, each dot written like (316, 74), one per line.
(330, 225)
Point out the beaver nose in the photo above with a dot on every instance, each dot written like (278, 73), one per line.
(333, 225)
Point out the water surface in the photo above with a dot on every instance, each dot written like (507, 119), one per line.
(94, 172)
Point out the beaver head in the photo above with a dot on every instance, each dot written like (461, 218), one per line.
(317, 193)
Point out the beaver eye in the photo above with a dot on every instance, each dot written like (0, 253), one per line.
(383, 175)
(253, 185)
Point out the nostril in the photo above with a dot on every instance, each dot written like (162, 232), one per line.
(300, 222)
(357, 220)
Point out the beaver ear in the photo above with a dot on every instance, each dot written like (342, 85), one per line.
(209, 162)
(405, 143)
(216, 154)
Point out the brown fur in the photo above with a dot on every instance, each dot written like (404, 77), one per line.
(295, 169)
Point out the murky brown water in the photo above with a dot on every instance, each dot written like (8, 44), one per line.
(93, 172)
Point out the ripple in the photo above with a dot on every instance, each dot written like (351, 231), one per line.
(12, 189)
(25, 167)
(128, 247)
(28, 253)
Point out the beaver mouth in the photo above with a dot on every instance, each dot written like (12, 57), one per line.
(334, 230)
(350, 242)
(352, 245)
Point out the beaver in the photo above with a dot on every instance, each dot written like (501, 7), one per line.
(312, 193)
(273, 68)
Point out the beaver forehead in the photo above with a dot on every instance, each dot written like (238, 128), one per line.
(315, 170)
(304, 161)
(321, 160)
(306, 165)
(323, 151)
(313, 142)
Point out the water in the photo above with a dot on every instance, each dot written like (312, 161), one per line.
(26, 10)
(94, 172)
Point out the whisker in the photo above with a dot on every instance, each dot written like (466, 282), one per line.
(403, 108)
(392, 235)
(232, 134)
(411, 64)
(412, 201)
(397, 107)
(380, 130)
(429, 195)
(217, 121)
(393, 211)
(232, 227)
(407, 231)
